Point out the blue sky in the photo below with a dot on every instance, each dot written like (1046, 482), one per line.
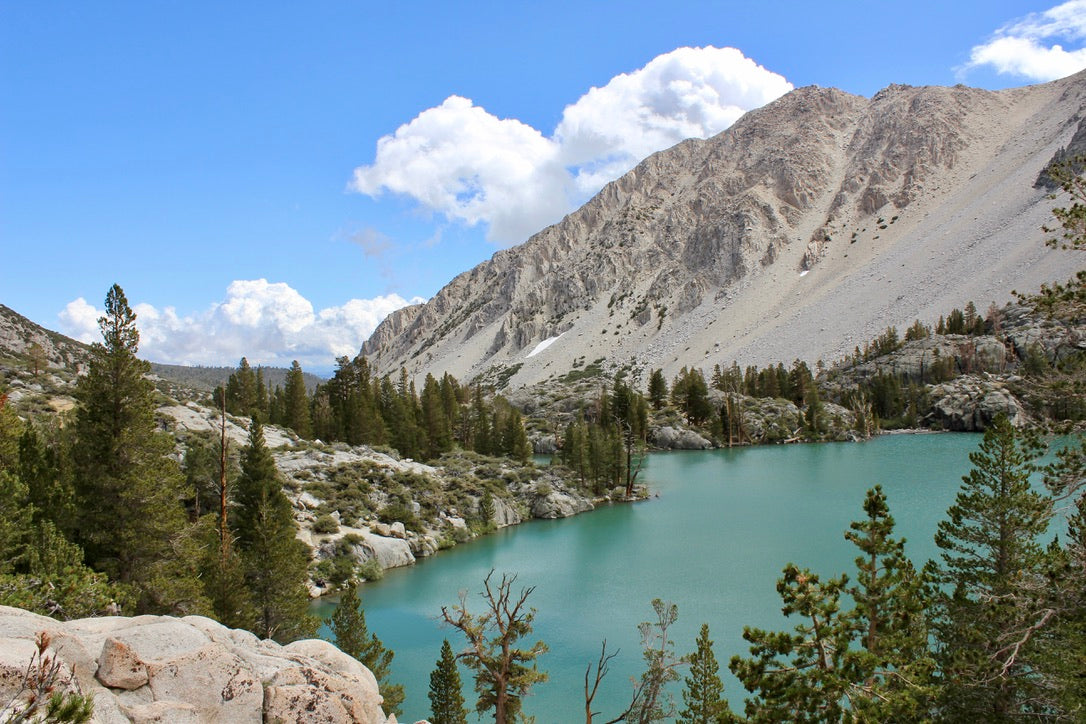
(270, 179)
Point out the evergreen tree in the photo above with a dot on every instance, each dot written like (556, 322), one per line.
(38, 472)
(296, 403)
(241, 390)
(703, 690)
(352, 637)
(814, 415)
(890, 674)
(128, 485)
(14, 521)
(40, 570)
(438, 430)
(918, 330)
(691, 395)
(515, 438)
(574, 453)
(224, 576)
(657, 389)
(446, 698)
(274, 560)
(52, 580)
(986, 610)
(261, 394)
(798, 676)
(1061, 658)
(487, 511)
(955, 322)
(482, 434)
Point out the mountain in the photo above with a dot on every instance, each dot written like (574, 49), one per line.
(805, 229)
(65, 356)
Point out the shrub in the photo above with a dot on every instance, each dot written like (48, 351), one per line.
(325, 524)
(371, 570)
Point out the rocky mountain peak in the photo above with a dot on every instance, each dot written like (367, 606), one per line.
(805, 228)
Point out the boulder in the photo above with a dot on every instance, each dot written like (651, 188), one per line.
(673, 438)
(505, 514)
(391, 550)
(544, 445)
(557, 504)
(163, 669)
(423, 545)
(770, 419)
(970, 404)
(120, 668)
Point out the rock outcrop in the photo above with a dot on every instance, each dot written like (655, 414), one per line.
(164, 669)
(666, 437)
(806, 228)
(970, 404)
(918, 360)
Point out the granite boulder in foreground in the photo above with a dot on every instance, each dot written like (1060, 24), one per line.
(191, 669)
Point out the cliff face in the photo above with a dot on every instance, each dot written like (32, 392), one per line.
(806, 228)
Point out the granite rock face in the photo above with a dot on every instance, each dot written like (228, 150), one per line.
(192, 669)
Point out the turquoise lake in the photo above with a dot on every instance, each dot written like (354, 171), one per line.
(713, 539)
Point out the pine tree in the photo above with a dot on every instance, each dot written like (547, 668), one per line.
(504, 672)
(224, 574)
(274, 560)
(515, 438)
(446, 697)
(657, 389)
(36, 358)
(435, 420)
(14, 521)
(986, 611)
(296, 403)
(352, 637)
(1062, 647)
(54, 581)
(482, 434)
(703, 690)
(814, 416)
(798, 676)
(128, 485)
(241, 390)
(890, 674)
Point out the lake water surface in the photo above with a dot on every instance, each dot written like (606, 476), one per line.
(714, 541)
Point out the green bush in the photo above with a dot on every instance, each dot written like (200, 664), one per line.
(371, 570)
(325, 524)
(397, 511)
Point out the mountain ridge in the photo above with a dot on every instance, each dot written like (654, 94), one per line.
(706, 252)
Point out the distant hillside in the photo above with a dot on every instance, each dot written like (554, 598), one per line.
(66, 356)
(208, 378)
(18, 335)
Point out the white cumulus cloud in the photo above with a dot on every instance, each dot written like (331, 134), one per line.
(269, 323)
(462, 162)
(470, 166)
(1036, 46)
(687, 93)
